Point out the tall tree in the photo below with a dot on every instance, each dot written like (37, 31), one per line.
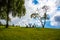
(16, 6)
(44, 18)
(45, 8)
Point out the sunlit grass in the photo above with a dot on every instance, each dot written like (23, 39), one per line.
(19, 33)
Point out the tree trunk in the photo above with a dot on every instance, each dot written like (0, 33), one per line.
(44, 23)
(45, 16)
(43, 26)
(7, 20)
(8, 5)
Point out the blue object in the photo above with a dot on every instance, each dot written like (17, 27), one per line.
(35, 2)
(58, 8)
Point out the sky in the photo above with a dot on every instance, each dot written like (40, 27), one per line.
(31, 7)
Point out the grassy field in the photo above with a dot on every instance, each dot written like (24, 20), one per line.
(17, 33)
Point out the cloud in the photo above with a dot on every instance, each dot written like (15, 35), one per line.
(58, 3)
(55, 20)
(32, 8)
(53, 12)
(15, 20)
(3, 21)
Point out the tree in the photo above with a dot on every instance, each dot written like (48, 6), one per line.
(16, 6)
(0, 24)
(45, 8)
(35, 15)
(44, 18)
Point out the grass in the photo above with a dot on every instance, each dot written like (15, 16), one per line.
(17, 33)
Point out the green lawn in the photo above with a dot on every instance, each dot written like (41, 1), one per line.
(17, 33)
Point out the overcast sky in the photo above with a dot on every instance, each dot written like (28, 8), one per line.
(31, 7)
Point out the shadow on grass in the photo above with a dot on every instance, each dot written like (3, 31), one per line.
(2, 28)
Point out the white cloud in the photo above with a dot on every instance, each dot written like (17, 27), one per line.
(31, 8)
(55, 19)
(58, 3)
(3, 21)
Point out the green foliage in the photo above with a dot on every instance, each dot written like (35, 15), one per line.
(17, 33)
(16, 6)
(34, 15)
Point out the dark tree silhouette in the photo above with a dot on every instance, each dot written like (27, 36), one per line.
(16, 6)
